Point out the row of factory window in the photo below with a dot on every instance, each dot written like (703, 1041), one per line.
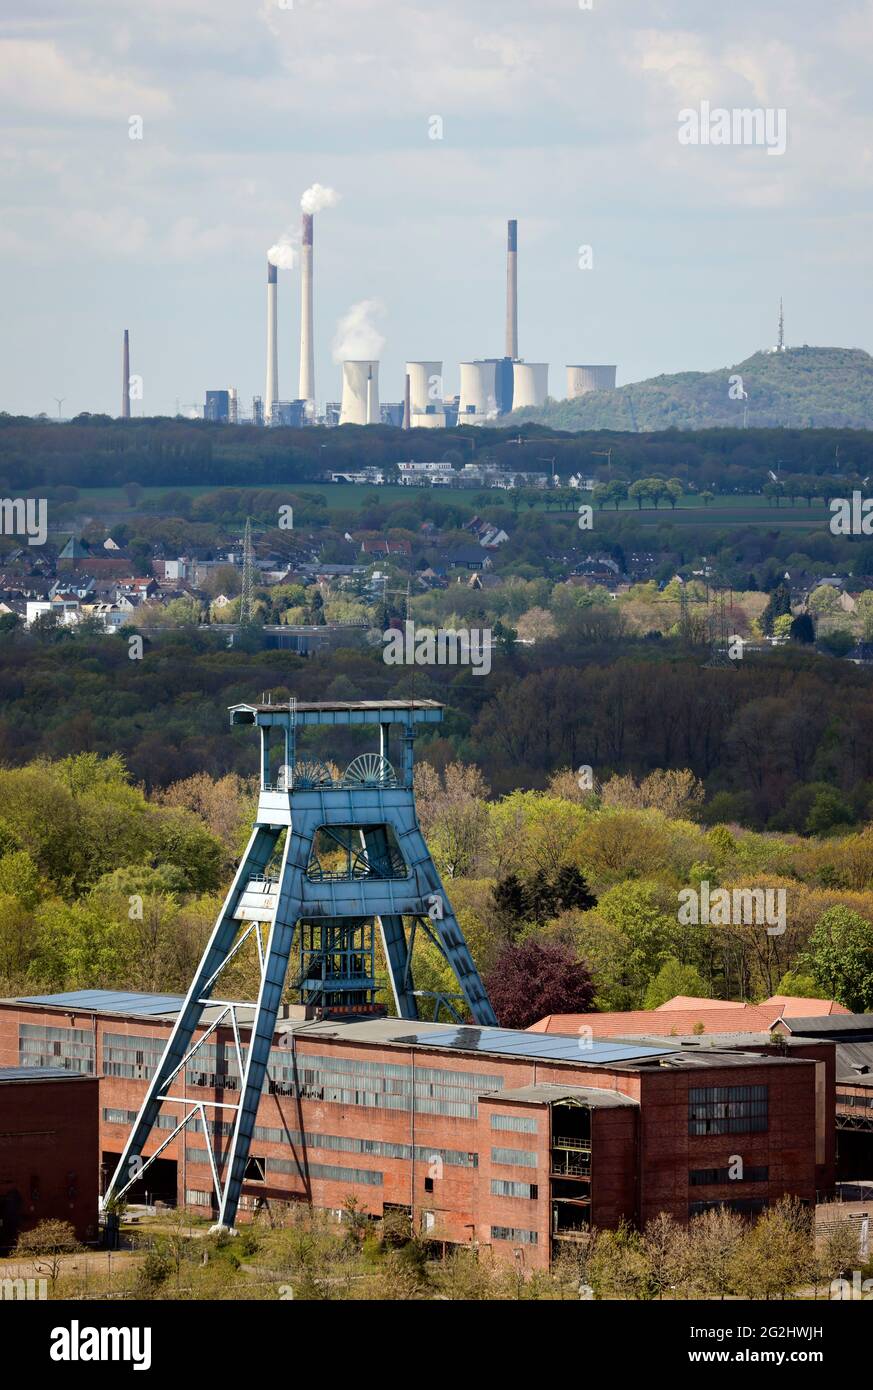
(727, 1109)
(518, 1124)
(437, 1091)
(854, 1100)
(519, 1158)
(529, 1191)
(328, 1171)
(710, 1177)
(339, 1143)
(70, 1048)
(127, 1117)
(514, 1233)
(744, 1206)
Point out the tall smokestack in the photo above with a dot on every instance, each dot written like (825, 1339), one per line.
(512, 289)
(407, 414)
(125, 377)
(271, 390)
(307, 354)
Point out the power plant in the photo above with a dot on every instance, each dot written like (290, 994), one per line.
(489, 388)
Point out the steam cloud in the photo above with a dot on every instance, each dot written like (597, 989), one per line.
(357, 339)
(317, 198)
(283, 253)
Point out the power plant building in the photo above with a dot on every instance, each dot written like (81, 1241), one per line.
(289, 414)
(583, 379)
(217, 407)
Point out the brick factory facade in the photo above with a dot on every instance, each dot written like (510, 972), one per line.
(49, 1149)
(507, 1139)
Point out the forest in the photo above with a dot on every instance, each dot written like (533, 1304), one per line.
(97, 451)
(783, 740)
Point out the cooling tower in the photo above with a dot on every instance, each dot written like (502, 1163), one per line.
(271, 390)
(125, 377)
(511, 289)
(360, 390)
(478, 399)
(426, 395)
(581, 380)
(425, 385)
(530, 384)
(307, 349)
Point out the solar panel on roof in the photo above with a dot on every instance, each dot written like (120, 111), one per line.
(536, 1045)
(113, 1001)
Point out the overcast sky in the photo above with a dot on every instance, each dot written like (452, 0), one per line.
(564, 117)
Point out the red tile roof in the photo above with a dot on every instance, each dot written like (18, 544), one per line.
(700, 1015)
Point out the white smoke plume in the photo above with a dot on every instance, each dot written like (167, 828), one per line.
(283, 254)
(357, 339)
(317, 198)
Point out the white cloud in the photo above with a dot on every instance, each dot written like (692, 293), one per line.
(39, 80)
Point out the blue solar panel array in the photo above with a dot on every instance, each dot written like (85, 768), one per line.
(541, 1046)
(113, 1001)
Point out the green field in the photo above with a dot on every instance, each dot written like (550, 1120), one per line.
(728, 510)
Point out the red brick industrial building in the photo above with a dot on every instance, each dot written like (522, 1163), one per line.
(508, 1139)
(49, 1149)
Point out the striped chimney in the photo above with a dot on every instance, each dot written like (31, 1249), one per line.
(271, 390)
(307, 352)
(125, 377)
(512, 289)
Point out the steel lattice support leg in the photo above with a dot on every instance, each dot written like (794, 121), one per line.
(254, 861)
(397, 956)
(294, 860)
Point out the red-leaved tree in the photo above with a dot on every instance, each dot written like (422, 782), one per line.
(534, 979)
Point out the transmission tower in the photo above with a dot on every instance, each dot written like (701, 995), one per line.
(334, 864)
(247, 596)
(718, 632)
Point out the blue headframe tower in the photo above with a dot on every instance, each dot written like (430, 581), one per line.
(332, 863)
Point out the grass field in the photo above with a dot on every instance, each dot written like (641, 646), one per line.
(728, 510)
